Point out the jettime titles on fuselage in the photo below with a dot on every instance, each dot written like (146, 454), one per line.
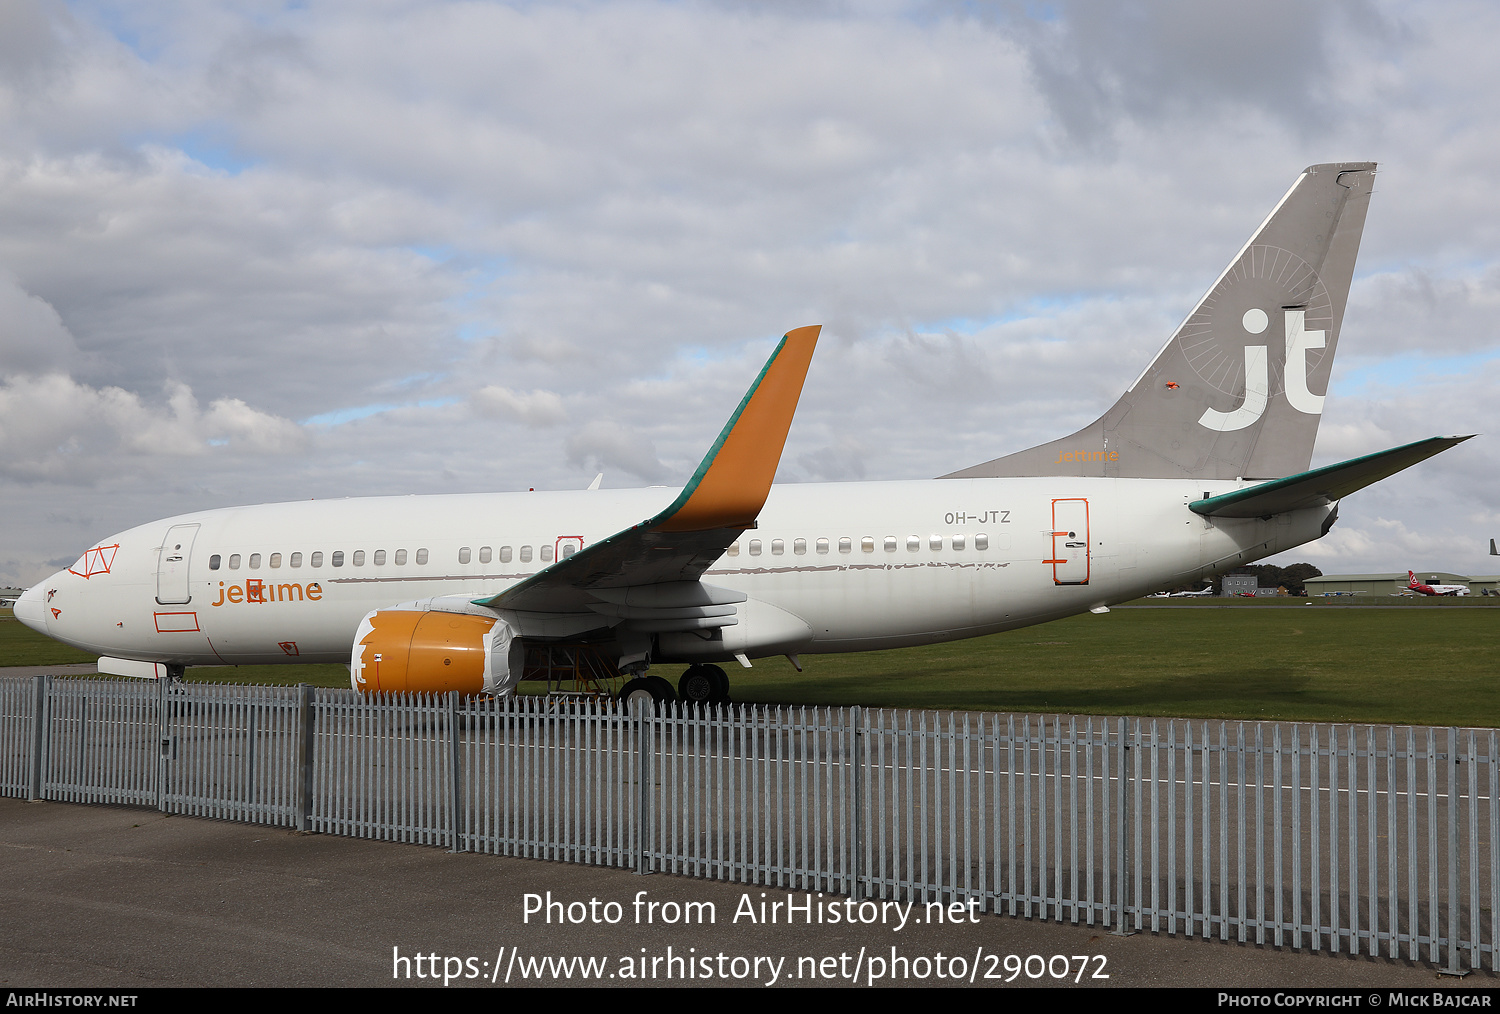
(256, 590)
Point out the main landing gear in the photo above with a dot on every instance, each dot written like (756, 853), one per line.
(704, 684)
(652, 691)
(700, 684)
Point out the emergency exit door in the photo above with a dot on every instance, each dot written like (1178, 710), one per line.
(1070, 541)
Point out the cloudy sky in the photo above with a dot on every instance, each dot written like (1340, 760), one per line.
(258, 251)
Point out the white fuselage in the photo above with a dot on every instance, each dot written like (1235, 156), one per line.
(863, 565)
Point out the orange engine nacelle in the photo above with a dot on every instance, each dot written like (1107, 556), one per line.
(406, 650)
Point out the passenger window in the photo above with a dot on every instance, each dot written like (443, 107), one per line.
(255, 561)
(777, 547)
(890, 543)
(958, 543)
(380, 558)
(546, 554)
(275, 560)
(296, 559)
(800, 547)
(981, 541)
(421, 557)
(484, 554)
(213, 562)
(317, 559)
(913, 543)
(463, 555)
(234, 561)
(867, 544)
(359, 557)
(504, 554)
(935, 543)
(338, 558)
(401, 558)
(823, 546)
(734, 548)
(846, 546)
(525, 554)
(569, 550)
(754, 547)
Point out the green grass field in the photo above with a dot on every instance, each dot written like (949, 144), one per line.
(1420, 661)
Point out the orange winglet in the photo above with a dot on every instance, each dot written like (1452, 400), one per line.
(732, 482)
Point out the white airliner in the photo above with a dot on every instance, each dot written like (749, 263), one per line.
(1202, 466)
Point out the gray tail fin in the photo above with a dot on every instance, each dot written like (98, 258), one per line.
(1237, 391)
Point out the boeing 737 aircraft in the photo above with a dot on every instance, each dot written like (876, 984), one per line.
(1200, 467)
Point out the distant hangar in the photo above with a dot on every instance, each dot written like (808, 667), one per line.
(1395, 583)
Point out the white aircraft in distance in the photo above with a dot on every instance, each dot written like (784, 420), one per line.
(1201, 466)
(1434, 589)
(1200, 593)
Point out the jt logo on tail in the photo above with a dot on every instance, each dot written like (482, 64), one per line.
(1299, 341)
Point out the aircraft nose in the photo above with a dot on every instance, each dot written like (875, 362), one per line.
(31, 608)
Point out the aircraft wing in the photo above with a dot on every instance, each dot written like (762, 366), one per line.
(1321, 486)
(722, 500)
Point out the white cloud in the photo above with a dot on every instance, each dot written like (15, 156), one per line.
(54, 428)
(534, 408)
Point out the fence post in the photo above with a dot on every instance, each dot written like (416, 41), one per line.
(640, 709)
(455, 785)
(1122, 828)
(856, 719)
(164, 754)
(304, 757)
(1454, 966)
(39, 688)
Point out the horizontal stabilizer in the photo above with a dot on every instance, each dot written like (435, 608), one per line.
(1321, 486)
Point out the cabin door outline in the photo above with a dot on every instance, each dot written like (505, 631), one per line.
(172, 587)
(1070, 541)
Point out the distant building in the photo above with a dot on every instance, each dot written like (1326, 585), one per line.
(1238, 584)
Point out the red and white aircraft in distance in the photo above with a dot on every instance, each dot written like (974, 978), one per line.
(1434, 589)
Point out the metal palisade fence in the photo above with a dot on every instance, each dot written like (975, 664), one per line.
(1352, 839)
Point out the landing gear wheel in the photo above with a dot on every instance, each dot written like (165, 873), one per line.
(651, 690)
(721, 684)
(698, 686)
